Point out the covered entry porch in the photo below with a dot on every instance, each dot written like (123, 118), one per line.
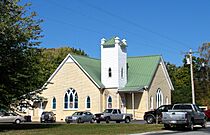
(134, 102)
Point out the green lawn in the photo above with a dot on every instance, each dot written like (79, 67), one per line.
(67, 129)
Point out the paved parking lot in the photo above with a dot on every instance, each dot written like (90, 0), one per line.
(197, 131)
(132, 122)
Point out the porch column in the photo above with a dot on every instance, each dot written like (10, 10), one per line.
(40, 108)
(133, 105)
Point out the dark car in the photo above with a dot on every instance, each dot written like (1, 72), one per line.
(80, 117)
(207, 113)
(151, 116)
(48, 117)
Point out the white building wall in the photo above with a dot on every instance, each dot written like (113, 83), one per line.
(113, 57)
(122, 64)
(109, 60)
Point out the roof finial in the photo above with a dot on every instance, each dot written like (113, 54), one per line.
(124, 42)
(117, 40)
(103, 40)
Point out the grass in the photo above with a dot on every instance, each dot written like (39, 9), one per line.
(61, 129)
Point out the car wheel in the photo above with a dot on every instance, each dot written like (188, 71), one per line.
(17, 121)
(191, 126)
(204, 124)
(92, 121)
(150, 119)
(98, 121)
(79, 120)
(167, 126)
(107, 119)
(127, 120)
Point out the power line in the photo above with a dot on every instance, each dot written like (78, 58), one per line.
(114, 26)
(96, 32)
(133, 23)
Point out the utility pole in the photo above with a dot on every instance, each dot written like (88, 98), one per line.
(192, 80)
(190, 61)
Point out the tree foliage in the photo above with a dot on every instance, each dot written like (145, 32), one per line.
(24, 67)
(181, 80)
(19, 35)
(50, 59)
(205, 52)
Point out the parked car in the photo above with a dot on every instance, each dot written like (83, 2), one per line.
(151, 116)
(207, 113)
(11, 117)
(47, 117)
(185, 115)
(113, 115)
(80, 117)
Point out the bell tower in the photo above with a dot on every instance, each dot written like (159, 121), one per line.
(113, 62)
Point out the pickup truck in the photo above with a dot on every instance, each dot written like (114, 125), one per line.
(184, 115)
(113, 115)
(151, 116)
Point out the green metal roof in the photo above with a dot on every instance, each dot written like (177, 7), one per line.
(91, 66)
(110, 41)
(140, 70)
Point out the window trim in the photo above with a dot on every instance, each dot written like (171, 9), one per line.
(53, 103)
(159, 98)
(167, 101)
(86, 103)
(109, 102)
(70, 92)
(151, 102)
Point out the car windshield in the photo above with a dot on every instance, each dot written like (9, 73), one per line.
(183, 107)
(10, 114)
(45, 113)
(77, 113)
(108, 110)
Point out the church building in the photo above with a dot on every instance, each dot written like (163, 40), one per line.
(132, 84)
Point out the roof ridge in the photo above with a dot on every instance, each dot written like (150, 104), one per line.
(83, 56)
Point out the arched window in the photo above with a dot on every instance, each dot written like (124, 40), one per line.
(151, 102)
(159, 98)
(88, 102)
(166, 100)
(66, 101)
(54, 103)
(71, 99)
(109, 102)
(122, 73)
(110, 72)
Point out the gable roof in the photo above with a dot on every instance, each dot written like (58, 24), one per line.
(91, 66)
(141, 71)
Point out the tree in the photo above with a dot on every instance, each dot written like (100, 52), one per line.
(205, 52)
(205, 73)
(19, 35)
(50, 59)
(181, 80)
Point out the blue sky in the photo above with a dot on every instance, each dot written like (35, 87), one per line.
(166, 27)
